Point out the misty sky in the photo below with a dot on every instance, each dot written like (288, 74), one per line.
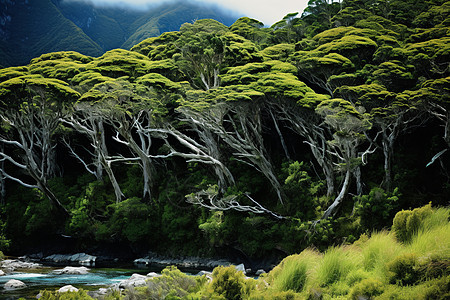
(266, 11)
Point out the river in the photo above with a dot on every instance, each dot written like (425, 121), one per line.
(44, 278)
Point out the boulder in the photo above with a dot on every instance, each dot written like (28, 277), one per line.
(67, 288)
(78, 258)
(153, 275)
(207, 274)
(133, 281)
(13, 264)
(14, 284)
(184, 262)
(72, 271)
(260, 272)
(201, 273)
(99, 293)
(2, 273)
(241, 268)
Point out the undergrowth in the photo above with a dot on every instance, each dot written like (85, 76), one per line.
(412, 261)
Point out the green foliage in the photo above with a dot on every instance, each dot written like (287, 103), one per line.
(377, 74)
(403, 269)
(38, 216)
(4, 241)
(368, 288)
(377, 208)
(336, 264)
(229, 283)
(131, 219)
(293, 271)
(213, 227)
(250, 29)
(178, 227)
(172, 284)
(407, 223)
(80, 295)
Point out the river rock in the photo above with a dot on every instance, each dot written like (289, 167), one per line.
(183, 262)
(133, 281)
(14, 284)
(99, 293)
(13, 264)
(260, 272)
(241, 268)
(153, 275)
(207, 274)
(78, 258)
(2, 273)
(72, 271)
(67, 288)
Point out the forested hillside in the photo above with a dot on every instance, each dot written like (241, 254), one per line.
(241, 140)
(29, 28)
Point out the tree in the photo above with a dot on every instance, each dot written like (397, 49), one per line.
(391, 116)
(251, 29)
(31, 108)
(349, 125)
(290, 29)
(237, 122)
(202, 52)
(88, 118)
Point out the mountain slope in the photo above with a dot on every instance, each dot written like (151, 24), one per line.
(30, 28)
(170, 17)
(109, 27)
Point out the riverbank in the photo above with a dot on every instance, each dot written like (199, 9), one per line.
(151, 260)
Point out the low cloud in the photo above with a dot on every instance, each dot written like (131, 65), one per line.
(266, 11)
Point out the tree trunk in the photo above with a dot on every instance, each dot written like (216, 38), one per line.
(2, 178)
(358, 178)
(117, 191)
(331, 209)
(447, 128)
(388, 150)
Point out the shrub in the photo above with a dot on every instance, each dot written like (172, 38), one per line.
(437, 289)
(229, 283)
(403, 270)
(172, 284)
(367, 289)
(356, 277)
(407, 223)
(376, 209)
(80, 295)
(276, 295)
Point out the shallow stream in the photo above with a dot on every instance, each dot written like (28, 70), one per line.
(44, 279)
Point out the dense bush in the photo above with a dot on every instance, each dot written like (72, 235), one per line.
(376, 209)
(408, 222)
(367, 289)
(172, 284)
(80, 295)
(229, 283)
(403, 270)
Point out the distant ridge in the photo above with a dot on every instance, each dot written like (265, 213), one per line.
(29, 28)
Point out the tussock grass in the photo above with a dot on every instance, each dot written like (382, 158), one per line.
(383, 266)
(381, 248)
(294, 271)
(433, 242)
(337, 263)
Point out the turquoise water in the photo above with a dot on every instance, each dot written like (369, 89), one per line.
(41, 279)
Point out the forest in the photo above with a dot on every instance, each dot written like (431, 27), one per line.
(250, 141)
